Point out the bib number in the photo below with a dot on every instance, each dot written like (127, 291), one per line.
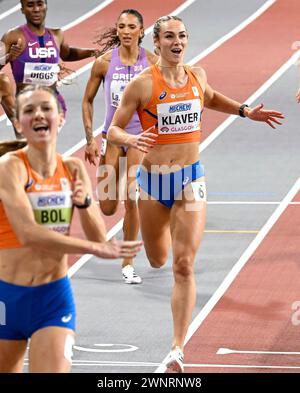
(199, 190)
(44, 74)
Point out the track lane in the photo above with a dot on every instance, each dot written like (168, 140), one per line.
(258, 312)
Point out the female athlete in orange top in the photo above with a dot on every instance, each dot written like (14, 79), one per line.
(170, 98)
(38, 191)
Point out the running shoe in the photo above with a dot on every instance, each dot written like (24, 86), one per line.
(130, 276)
(174, 361)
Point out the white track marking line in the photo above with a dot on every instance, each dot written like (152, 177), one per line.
(238, 266)
(87, 15)
(228, 351)
(242, 261)
(10, 11)
(218, 131)
(233, 32)
(81, 261)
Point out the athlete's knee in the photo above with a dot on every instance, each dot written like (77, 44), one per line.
(108, 208)
(130, 205)
(157, 261)
(183, 267)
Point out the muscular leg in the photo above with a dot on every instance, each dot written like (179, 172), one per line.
(187, 228)
(155, 229)
(108, 179)
(12, 354)
(50, 350)
(131, 218)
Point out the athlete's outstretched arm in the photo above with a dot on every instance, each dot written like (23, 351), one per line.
(68, 53)
(20, 215)
(219, 102)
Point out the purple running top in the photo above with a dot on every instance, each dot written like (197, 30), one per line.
(38, 63)
(115, 81)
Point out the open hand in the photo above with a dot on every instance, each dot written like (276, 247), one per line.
(91, 153)
(119, 249)
(268, 116)
(145, 141)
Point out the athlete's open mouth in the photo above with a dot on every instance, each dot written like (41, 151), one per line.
(41, 127)
(176, 50)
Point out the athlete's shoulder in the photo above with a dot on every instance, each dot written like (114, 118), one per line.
(55, 30)
(10, 164)
(151, 57)
(101, 64)
(12, 35)
(143, 79)
(4, 80)
(199, 71)
(72, 163)
(200, 75)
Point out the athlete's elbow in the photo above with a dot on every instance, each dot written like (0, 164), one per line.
(28, 237)
(111, 134)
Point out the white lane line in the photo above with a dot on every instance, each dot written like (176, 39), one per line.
(233, 32)
(10, 11)
(194, 326)
(218, 131)
(87, 15)
(242, 261)
(81, 261)
(228, 351)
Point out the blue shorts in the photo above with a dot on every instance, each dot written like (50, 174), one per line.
(164, 187)
(24, 310)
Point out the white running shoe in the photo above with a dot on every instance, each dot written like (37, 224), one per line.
(174, 361)
(130, 276)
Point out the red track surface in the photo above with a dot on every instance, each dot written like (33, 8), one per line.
(256, 311)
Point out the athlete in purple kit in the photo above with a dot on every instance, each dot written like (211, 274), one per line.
(34, 51)
(115, 69)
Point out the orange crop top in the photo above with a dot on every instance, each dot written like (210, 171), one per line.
(175, 112)
(50, 199)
